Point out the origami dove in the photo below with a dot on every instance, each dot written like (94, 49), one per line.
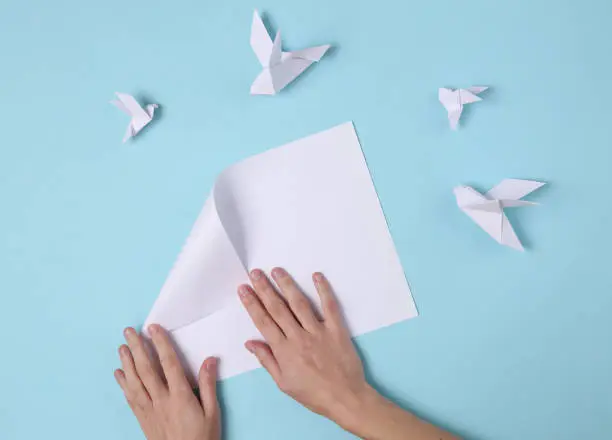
(454, 99)
(279, 68)
(488, 210)
(140, 116)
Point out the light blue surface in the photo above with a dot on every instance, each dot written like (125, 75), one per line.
(508, 345)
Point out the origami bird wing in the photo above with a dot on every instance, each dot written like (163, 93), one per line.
(129, 132)
(311, 53)
(489, 220)
(513, 189)
(277, 51)
(508, 236)
(468, 97)
(476, 89)
(492, 219)
(450, 99)
(133, 107)
(261, 42)
(121, 107)
(288, 71)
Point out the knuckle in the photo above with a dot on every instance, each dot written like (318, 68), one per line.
(138, 353)
(213, 413)
(252, 306)
(263, 361)
(169, 360)
(129, 396)
(306, 344)
(265, 320)
(134, 339)
(182, 389)
(254, 310)
(331, 305)
(276, 307)
(138, 405)
(143, 365)
(267, 292)
(287, 283)
(135, 399)
(148, 375)
(301, 304)
(133, 390)
(161, 343)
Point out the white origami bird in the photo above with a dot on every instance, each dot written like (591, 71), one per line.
(140, 116)
(279, 68)
(454, 99)
(488, 210)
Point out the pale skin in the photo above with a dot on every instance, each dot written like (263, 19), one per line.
(310, 357)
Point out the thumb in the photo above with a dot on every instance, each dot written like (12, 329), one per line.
(207, 381)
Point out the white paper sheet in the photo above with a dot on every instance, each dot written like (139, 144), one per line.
(307, 206)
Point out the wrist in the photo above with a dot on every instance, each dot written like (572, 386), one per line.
(371, 416)
(354, 410)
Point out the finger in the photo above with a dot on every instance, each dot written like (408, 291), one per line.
(266, 358)
(128, 379)
(274, 304)
(173, 370)
(259, 315)
(207, 381)
(332, 315)
(144, 367)
(121, 380)
(299, 304)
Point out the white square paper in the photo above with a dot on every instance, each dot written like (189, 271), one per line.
(307, 206)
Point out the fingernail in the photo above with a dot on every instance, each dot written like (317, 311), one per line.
(129, 331)
(250, 347)
(256, 274)
(243, 292)
(318, 277)
(279, 273)
(123, 350)
(211, 364)
(153, 328)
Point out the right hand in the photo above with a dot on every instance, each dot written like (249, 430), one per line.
(312, 360)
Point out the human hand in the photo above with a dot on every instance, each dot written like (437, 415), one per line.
(312, 360)
(166, 407)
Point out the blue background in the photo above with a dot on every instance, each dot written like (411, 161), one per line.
(509, 345)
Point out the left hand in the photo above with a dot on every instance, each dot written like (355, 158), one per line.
(166, 407)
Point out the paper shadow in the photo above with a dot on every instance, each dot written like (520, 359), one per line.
(230, 216)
